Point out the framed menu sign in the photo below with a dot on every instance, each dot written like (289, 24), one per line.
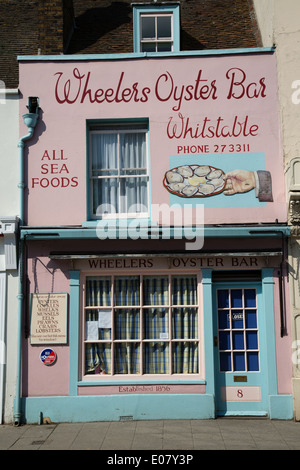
(48, 319)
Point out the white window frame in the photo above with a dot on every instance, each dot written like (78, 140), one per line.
(142, 376)
(155, 40)
(172, 10)
(118, 129)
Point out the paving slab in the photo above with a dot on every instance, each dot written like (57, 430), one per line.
(155, 436)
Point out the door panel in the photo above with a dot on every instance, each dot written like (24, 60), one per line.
(240, 386)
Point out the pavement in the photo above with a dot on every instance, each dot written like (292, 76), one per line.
(154, 438)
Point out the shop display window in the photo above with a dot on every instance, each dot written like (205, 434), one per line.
(141, 325)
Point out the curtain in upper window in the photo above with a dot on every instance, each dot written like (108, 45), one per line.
(119, 176)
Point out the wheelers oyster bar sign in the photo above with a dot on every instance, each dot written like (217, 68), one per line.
(165, 89)
(177, 262)
(213, 133)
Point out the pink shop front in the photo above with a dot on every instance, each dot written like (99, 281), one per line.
(153, 239)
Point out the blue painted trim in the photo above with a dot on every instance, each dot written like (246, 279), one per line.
(74, 330)
(113, 407)
(89, 232)
(281, 407)
(140, 407)
(207, 304)
(269, 329)
(142, 55)
(136, 29)
(138, 9)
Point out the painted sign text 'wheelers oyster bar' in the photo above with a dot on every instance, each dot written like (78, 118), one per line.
(148, 264)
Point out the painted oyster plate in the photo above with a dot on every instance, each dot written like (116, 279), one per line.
(194, 181)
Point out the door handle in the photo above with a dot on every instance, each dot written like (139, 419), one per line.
(215, 341)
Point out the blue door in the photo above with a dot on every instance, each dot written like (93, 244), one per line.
(239, 349)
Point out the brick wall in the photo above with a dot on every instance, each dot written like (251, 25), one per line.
(55, 25)
(105, 26)
(31, 28)
(18, 35)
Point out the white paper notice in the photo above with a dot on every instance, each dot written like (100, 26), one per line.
(104, 319)
(92, 330)
(164, 336)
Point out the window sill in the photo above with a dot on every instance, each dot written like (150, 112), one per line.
(114, 221)
(104, 380)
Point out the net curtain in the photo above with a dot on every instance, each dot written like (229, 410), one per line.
(120, 161)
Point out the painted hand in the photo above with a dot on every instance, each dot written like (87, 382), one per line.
(239, 181)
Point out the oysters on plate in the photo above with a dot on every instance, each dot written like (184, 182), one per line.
(194, 180)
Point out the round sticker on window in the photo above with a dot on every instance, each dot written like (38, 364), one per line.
(48, 356)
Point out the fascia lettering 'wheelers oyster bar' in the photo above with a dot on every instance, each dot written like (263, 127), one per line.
(153, 269)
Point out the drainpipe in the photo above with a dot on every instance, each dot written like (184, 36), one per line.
(30, 119)
(281, 283)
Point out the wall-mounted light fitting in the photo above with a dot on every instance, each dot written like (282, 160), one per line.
(33, 104)
(31, 118)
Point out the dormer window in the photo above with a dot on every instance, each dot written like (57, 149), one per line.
(156, 33)
(156, 29)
